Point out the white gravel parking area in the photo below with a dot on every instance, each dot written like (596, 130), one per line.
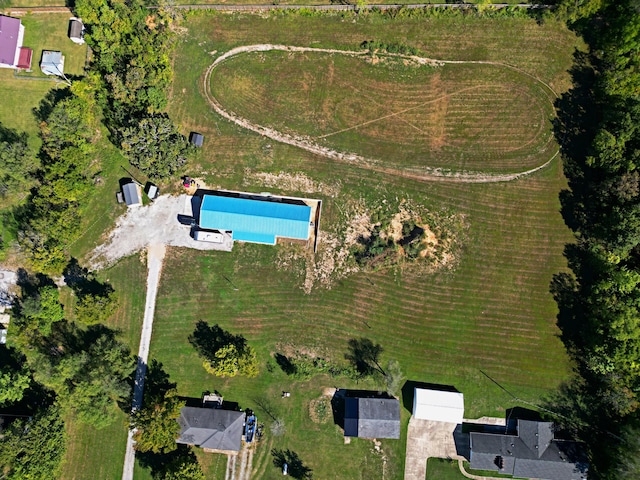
(157, 223)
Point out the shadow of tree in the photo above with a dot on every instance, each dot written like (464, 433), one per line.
(295, 467)
(364, 356)
(83, 282)
(208, 340)
(162, 465)
(285, 364)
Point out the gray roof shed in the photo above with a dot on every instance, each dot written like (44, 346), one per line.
(211, 428)
(196, 139)
(76, 30)
(532, 453)
(131, 193)
(52, 63)
(372, 417)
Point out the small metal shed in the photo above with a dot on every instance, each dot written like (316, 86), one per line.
(152, 191)
(52, 63)
(196, 139)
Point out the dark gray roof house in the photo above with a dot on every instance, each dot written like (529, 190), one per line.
(213, 429)
(533, 452)
(132, 195)
(372, 417)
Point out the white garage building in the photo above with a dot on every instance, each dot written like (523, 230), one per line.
(438, 405)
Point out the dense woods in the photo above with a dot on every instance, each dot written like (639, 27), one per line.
(597, 126)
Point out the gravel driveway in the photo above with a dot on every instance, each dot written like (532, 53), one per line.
(157, 223)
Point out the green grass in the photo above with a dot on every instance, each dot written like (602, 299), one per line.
(493, 313)
(19, 98)
(441, 469)
(95, 453)
(49, 32)
(474, 117)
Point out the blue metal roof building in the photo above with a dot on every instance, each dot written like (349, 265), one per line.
(255, 221)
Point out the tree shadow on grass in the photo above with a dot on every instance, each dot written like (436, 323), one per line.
(295, 467)
(364, 356)
(162, 464)
(208, 340)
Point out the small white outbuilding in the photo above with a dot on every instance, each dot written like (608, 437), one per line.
(438, 405)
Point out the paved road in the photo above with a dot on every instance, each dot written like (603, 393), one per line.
(155, 256)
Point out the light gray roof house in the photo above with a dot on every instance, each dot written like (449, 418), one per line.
(212, 429)
(52, 63)
(533, 452)
(372, 417)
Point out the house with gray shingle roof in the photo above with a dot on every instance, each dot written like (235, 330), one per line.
(372, 417)
(533, 452)
(212, 429)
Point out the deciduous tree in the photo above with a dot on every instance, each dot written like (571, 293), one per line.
(154, 145)
(34, 449)
(224, 354)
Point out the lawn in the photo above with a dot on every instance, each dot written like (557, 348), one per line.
(441, 469)
(19, 97)
(492, 313)
(92, 453)
(49, 32)
(455, 116)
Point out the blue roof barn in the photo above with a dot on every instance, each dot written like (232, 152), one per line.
(254, 220)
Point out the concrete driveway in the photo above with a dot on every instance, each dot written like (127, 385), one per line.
(426, 438)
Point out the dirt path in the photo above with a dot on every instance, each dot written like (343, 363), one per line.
(155, 256)
(229, 474)
(305, 143)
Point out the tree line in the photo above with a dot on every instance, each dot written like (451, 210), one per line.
(598, 128)
(125, 88)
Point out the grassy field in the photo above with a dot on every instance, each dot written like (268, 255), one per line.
(441, 469)
(49, 32)
(492, 315)
(92, 453)
(458, 117)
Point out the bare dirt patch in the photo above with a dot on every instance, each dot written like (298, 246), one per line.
(292, 182)
(337, 249)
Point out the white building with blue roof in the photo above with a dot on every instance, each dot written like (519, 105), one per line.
(257, 219)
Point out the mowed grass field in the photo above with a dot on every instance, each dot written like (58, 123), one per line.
(49, 32)
(492, 315)
(456, 116)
